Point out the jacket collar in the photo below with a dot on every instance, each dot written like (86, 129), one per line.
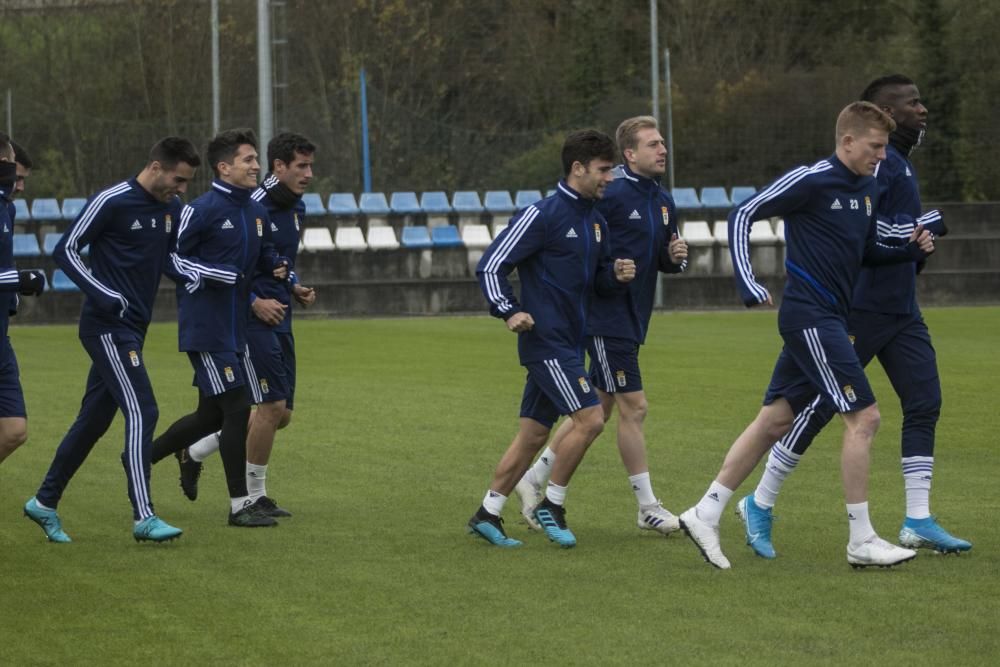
(842, 169)
(233, 193)
(641, 182)
(568, 194)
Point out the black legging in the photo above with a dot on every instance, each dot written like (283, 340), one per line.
(229, 410)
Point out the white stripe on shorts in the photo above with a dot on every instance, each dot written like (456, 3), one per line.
(562, 383)
(829, 379)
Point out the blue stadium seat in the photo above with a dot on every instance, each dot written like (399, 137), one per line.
(466, 201)
(373, 203)
(715, 198)
(50, 241)
(314, 204)
(446, 236)
(26, 245)
(72, 206)
(21, 213)
(527, 197)
(499, 201)
(342, 204)
(416, 237)
(404, 203)
(551, 192)
(62, 283)
(45, 209)
(686, 198)
(435, 202)
(741, 193)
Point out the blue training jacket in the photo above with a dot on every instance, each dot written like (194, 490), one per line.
(9, 279)
(830, 230)
(130, 234)
(641, 220)
(893, 289)
(285, 225)
(559, 247)
(223, 239)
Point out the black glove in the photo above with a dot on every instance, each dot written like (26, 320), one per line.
(30, 283)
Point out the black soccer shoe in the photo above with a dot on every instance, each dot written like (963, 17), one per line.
(271, 508)
(252, 516)
(190, 473)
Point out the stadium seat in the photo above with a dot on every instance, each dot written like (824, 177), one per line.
(316, 239)
(350, 238)
(314, 204)
(416, 237)
(476, 236)
(21, 213)
(498, 202)
(764, 249)
(499, 226)
(342, 204)
(526, 198)
(741, 193)
(446, 236)
(715, 198)
(382, 238)
(779, 229)
(26, 245)
(466, 201)
(686, 199)
(435, 203)
(761, 232)
(404, 203)
(373, 203)
(45, 210)
(701, 257)
(62, 283)
(72, 206)
(723, 260)
(551, 192)
(50, 241)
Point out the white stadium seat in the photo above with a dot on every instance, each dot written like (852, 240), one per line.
(382, 238)
(317, 239)
(350, 238)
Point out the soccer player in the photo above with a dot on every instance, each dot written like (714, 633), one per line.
(13, 416)
(24, 167)
(830, 226)
(885, 322)
(642, 224)
(130, 228)
(559, 247)
(223, 239)
(269, 332)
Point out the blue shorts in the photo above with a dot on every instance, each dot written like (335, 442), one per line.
(556, 387)
(614, 364)
(272, 359)
(218, 372)
(821, 360)
(11, 396)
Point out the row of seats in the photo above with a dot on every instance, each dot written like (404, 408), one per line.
(434, 202)
(26, 245)
(700, 233)
(475, 237)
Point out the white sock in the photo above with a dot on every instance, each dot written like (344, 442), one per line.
(493, 502)
(780, 463)
(859, 522)
(555, 493)
(713, 503)
(256, 480)
(43, 507)
(236, 504)
(917, 474)
(539, 473)
(204, 448)
(643, 488)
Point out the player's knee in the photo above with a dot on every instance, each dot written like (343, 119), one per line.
(634, 411)
(14, 435)
(591, 422)
(272, 412)
(867, 421)
(286, 418)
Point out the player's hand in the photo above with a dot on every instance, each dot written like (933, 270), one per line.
(30, 283)
(281, 270)
(624, 270)
(923, 238)
(268, 311)
(768, 302)
(678, 249)
(306, 296)
(521, 321)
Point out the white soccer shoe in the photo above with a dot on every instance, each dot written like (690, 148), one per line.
(656, 517)
(706, 537)
(876, 551)
(530, 495)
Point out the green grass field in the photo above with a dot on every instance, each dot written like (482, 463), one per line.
(398, 426)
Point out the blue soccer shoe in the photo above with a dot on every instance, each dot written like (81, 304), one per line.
(927, 534)
(757, 526)
(490, 528)
(47, 519)
(155, 529)
(552, 519)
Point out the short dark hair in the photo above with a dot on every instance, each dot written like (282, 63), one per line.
(225, 144)
(873, 92)
(586, 145)
(284, 146)
(21, 155)
(171, 150)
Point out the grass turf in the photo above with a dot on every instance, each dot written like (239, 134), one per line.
(398, 426)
